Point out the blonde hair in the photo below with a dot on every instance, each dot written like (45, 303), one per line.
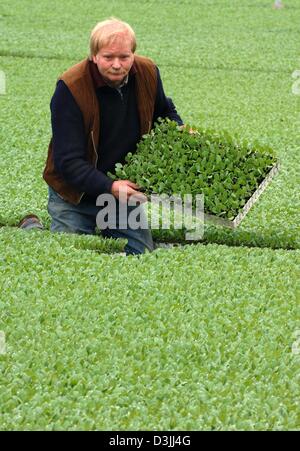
(107, 31)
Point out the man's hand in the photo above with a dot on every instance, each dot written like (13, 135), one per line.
(191, 131)
(124, 189)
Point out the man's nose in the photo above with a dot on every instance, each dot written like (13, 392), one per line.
(116, 63)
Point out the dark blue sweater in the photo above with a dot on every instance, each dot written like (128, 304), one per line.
(119, 133)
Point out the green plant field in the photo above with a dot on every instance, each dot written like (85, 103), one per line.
(112, 350)
(196, 337)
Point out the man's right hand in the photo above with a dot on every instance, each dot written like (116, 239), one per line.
(124, 189)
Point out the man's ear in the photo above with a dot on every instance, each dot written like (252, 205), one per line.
(95, 59)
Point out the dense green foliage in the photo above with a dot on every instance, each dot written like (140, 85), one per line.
(194, 338)
(212, 163)
(198, 337)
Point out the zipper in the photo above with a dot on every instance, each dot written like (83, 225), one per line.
(119, 90)
(94, 147)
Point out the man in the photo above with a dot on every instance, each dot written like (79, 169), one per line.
(100, 109)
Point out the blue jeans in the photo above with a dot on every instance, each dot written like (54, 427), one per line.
(81, 218)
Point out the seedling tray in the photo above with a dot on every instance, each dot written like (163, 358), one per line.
(232, 224)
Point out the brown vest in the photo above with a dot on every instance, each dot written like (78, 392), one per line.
(79, 81)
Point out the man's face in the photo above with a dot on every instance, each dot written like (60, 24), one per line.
(114, 61)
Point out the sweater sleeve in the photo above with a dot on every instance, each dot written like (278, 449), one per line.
(69, 145)
(164, 106)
